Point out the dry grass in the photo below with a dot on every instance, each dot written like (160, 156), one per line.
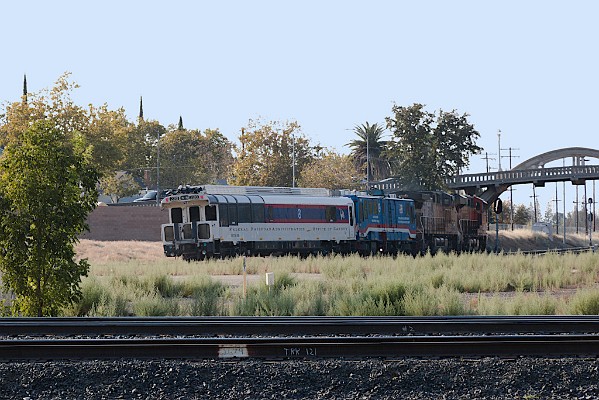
(135, 278)
(98, 252)
(525, 240)
(119, 251)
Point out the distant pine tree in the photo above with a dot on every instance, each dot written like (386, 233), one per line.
(141, 108)
(180, 123)
(25, 89)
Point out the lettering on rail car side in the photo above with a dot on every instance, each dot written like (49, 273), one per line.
(299, 352)
(407, 328)
(232, 351)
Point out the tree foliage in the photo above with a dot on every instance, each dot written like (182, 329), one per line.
(522, 215)
(370, 147)
(427, 148)
(47, 187)
(331, 171)
(266, 153)
(54, 104)
(193, 157)
(118, 185)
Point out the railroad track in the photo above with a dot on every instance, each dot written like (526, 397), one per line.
(281, 337)
(279, 326)
(574, 250)
(303, 347)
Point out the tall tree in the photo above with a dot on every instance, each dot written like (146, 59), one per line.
(141, 108)
(456, 142)
(25, 89)
(370, 148)
(48, 187)
(428, 148)
(331, 171)
(269, 152)
(193, 157)
(522, 215)
(54, 104)
(412, 152)
(180, 127)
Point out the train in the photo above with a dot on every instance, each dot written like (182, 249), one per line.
(218, 221)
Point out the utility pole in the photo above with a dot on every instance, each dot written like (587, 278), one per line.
(564, 202)
(556, 211)
(487, 158)
(534, 202)
(576, 211)
(158, 167)
(586, 214)
(511, 187)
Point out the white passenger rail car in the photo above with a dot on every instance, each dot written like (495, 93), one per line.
(223, 221)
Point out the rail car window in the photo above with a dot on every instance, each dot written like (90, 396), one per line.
(223, 213)
(194, 213)
(210, 213)
(176, 215)
(258, 213)
(244, 213)
(351, 216)
(233, 214)
(269, 213)
(331, 213)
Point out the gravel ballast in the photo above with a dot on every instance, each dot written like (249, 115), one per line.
(488, 378)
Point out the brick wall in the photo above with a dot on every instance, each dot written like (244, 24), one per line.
(126, 223)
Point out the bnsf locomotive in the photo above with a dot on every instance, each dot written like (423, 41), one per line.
(222, 221)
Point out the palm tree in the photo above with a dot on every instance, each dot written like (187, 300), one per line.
(368, 151)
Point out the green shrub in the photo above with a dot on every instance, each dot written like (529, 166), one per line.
(206, 298)
(153, 306)
(585, 302)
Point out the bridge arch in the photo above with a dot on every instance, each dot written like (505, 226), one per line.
(577, 153)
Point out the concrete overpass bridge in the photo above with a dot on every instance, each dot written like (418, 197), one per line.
(533, 170)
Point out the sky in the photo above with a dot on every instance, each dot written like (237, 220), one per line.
(529, 69)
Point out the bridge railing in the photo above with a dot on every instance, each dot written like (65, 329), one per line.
(527, 175)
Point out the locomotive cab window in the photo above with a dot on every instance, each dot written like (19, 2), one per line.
(210, 213)
(194, 214)
(177, 215)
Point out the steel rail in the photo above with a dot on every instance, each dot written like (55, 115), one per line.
(303, 347)
(247, 326)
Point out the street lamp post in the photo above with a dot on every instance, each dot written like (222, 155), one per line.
(293, 159)
(367, 161)
(158, 167)
(590, 218)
